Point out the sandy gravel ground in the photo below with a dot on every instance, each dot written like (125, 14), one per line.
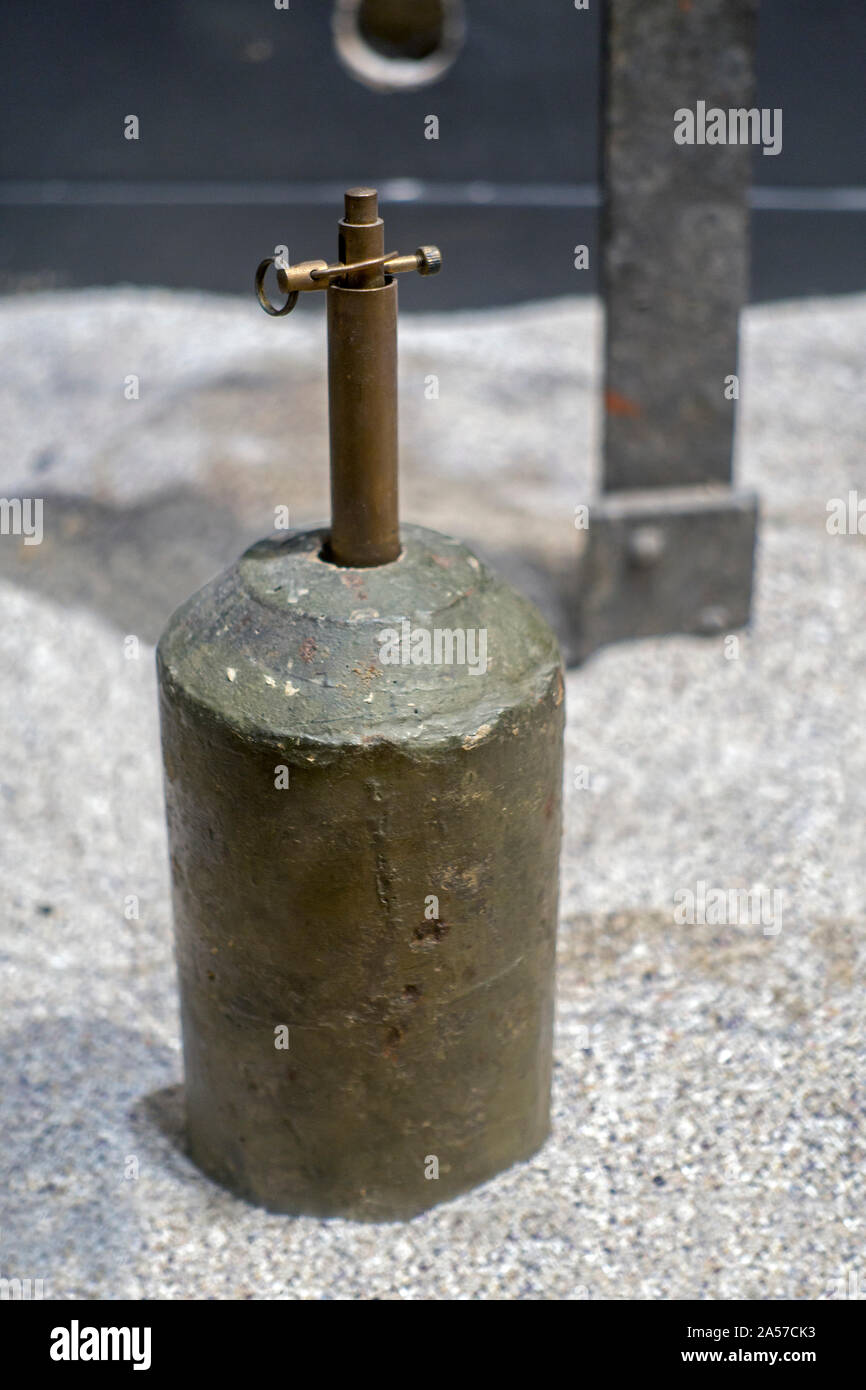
(709, 1087)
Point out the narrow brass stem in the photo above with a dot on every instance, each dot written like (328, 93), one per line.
(362, 380)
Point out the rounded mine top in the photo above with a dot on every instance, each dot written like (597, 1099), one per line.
(290, 647)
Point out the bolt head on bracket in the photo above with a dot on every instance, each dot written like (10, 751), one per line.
(665, 560)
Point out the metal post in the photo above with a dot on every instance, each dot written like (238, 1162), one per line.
(670, 545)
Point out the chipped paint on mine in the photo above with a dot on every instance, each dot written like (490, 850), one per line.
(477, 737)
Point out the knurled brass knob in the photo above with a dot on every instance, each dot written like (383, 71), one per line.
(429, 260)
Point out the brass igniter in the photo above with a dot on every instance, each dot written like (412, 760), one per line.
(318, 275)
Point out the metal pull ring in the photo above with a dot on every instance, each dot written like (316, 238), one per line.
(266, 304)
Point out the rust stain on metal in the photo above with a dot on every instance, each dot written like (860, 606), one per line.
(367, 673)
(617, 404)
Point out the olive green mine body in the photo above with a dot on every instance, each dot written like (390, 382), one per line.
(365, 871)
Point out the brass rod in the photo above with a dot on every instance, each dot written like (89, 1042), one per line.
(362, 379)
(388, 261)
(362, 238)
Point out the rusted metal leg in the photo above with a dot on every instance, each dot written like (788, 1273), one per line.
(675, 277)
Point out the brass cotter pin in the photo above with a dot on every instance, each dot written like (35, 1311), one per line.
(318, 275)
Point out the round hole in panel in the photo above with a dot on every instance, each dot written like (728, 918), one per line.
(398, 45)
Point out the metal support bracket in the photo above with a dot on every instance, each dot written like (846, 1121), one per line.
(665, 560)
(670, 545)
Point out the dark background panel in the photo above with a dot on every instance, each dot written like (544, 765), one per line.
(811, 57)
(234, 89)
(493, 255)
(250, 126)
